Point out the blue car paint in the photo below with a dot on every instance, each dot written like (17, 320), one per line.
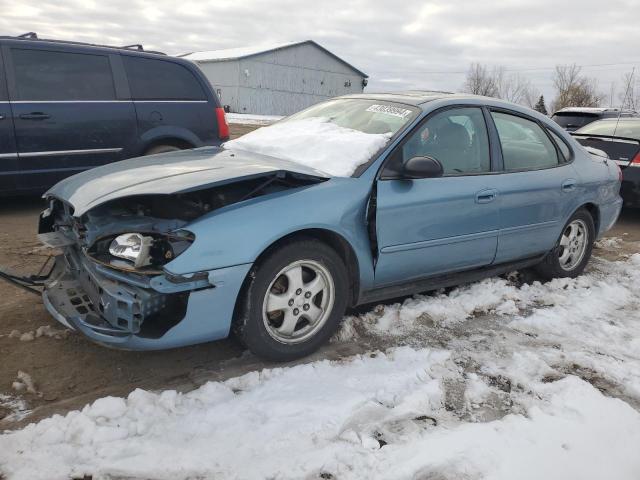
(201, 323)
(524, 219)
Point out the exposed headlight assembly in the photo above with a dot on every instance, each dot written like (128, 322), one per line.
(143, 252)
(133, 247)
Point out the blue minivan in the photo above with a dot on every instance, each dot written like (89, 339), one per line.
(67, 107)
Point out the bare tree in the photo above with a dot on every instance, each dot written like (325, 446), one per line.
(630, 95)
(496, 82)
(574, 89)
(481, 81)
(516, 88)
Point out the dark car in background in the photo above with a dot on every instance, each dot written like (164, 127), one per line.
(620, 140)
(573, 118)
(67, 107)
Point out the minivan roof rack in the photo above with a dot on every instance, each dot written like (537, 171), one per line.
(34, 36)
(135, 46)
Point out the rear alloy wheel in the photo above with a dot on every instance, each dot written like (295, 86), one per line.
(573, 250)
(293, 301)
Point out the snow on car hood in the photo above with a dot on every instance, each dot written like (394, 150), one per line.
(169, 173)
(314, 142)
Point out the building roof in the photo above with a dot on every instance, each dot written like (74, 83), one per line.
(250, 51)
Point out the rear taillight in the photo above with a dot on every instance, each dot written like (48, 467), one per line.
(636, 159)
(223, 126)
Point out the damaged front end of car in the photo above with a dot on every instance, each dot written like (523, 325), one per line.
(113, 280)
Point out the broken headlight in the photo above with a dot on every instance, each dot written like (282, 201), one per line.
(133, 247)
(144, 252)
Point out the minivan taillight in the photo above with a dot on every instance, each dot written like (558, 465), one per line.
(636, 160)
(223, 126)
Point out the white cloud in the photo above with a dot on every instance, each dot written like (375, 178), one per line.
(404, 40)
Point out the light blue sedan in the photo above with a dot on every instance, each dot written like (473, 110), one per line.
(352, 201)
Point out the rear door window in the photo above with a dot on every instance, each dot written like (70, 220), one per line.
(151, 79)
(52, 75)
(525, 146)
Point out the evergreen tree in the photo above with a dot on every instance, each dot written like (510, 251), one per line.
(540, 106)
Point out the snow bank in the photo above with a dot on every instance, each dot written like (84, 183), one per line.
(500, 382)
(314, 142)
(376, 416)
(250, 119)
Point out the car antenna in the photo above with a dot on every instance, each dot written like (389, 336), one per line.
(633, 70)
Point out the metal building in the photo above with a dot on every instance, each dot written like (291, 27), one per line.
(278, 79)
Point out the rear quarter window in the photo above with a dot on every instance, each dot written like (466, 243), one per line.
(53, 75)
(562, 145)
(151, 79)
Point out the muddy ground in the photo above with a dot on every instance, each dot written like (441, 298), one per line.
(69, 371)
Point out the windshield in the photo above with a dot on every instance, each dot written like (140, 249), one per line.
(366, 116)
(573, 120)
(622, 128)
(338, 137)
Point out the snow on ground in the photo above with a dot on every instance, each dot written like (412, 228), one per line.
(314, 142)
(249, 119)
(495, 380)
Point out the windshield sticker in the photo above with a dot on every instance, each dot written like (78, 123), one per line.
(389, 110)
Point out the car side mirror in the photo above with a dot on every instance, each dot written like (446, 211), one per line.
(422, 167)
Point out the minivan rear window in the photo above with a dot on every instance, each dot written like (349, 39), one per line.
(49, 75)
(151, 79)
(573, 120)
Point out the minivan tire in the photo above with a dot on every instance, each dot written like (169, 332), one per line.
(314, 316)
(162, 149)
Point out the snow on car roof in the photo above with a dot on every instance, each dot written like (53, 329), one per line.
(590, 110)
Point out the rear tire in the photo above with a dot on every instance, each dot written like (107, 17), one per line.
(572, 251)
(293, 301)
(162, 149)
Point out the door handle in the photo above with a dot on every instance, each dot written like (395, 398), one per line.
(486, 196)
(569, 185)
(34, 116)
(1, 117)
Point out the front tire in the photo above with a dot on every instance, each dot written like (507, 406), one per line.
(573, 249)
(293, 301)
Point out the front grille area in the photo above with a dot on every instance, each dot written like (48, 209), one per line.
(122, 305)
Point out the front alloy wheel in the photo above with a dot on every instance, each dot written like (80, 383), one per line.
(298, 302)
(293, 300)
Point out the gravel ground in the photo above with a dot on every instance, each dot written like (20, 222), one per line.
(69, 371)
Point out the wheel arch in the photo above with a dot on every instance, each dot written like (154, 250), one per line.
(180, 143)
(329, 237)
(594, 211)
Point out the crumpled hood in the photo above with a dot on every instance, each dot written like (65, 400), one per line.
(168, 173)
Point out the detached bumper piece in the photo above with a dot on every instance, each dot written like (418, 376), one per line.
(110, 306)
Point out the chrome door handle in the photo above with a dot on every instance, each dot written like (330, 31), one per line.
(1, 117)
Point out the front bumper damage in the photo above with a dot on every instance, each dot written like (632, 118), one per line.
(138, 312)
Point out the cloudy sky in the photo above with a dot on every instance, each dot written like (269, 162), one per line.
(400, 44)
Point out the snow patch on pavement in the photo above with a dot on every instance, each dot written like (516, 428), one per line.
(496, 380)
(250, 119)
(314, 142)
